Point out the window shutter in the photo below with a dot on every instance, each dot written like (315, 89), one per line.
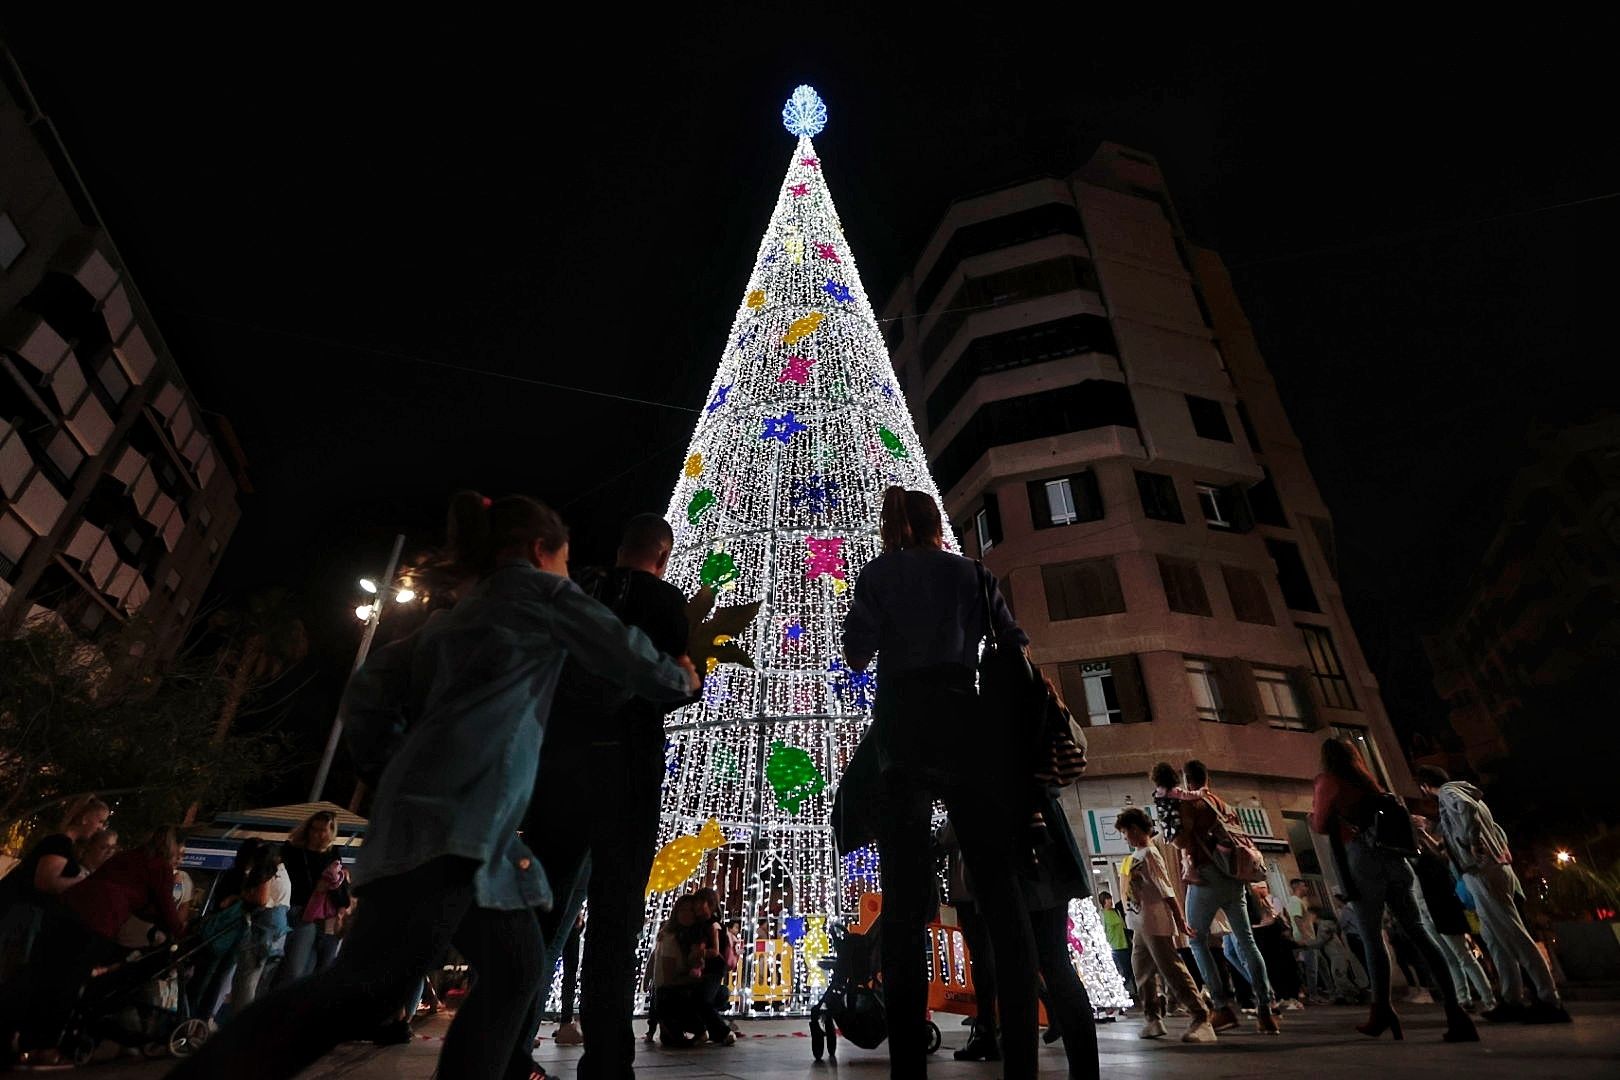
(992, 511)
(1305, 694)
(1131, 690)
(1088, 504)
(1072, 685)
(1239, 699)
(1039, 510)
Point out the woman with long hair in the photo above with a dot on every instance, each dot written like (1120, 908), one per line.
(82, 936)
(309, 856)
(447, 725)
(50, 868)
(1346, 800)
(925, 611)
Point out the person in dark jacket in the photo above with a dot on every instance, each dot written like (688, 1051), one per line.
(593, 820)
(449, 723)
(924, 610)
(49, 868)
(82, 936)
(1446, 918)
(308, 855)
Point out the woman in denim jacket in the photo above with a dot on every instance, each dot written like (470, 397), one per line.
(448, 723)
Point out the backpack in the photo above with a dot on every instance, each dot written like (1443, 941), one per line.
(1229, 847)
(1391, 828)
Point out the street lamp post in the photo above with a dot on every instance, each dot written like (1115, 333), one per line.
(371, 617)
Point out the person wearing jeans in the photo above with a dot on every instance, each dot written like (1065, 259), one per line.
(1210, 890)
(449, 723)
(1479, 848)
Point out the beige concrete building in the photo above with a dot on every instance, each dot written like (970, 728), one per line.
(116, 497)
(1109, 441)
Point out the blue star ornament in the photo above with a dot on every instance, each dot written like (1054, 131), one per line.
(782, 428)
(857, 689)
(805, 113)
(720, 396)
(838, 291)
(816, 494)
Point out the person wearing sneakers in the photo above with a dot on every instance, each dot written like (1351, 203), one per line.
(1479, 847)
(1206, 832)
(1159, 927)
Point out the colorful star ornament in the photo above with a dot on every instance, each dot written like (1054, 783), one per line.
(719, 398)
(719, 569)
(854, 688)
(810, 162)
(838, 292)
(827, 252)
(792, 634)
(797, 370)
(672, 759)
(799, 190)
(892, 443)
(782, 428)
(801, 328)
(826, 557)
(725, 764)
(814, 493)
(680, 858)
(694, 466)
(701, 500)
(793, 775)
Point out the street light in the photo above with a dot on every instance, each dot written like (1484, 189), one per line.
(1563, 858)
(369, 614)
(405, 595)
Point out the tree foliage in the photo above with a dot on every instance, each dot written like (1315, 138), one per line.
(77, 717)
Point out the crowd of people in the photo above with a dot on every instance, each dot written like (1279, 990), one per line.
(513, 745)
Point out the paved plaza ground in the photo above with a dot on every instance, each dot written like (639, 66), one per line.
(1317, 1044)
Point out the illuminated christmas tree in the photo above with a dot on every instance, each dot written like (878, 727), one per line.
(1093, 958)
(778, 502)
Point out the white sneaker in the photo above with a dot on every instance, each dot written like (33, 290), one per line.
(1153, 1029)
(568, 1035)
(1200, 1032)
(1417, 995)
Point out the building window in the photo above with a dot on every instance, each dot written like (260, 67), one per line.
(1109, 691)
(1159, 500)
(1357, 737)
(1248, 594)
(1009, 286)
(1184, 586)
(1000, 232)
(12, 244)
(1263, 500)
(1224, 508)
(1080, 590)
(1065, 501)
(1291, 575)
(987, 524)
(1209, 419)
(1278, 703)
(1074, 335)
(1322, 529)
(1206, 691)
(1326, 669)
(1248, 427)
(205, 518)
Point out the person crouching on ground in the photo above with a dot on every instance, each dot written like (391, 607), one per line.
(449, 722)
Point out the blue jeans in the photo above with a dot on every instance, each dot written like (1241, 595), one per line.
(1383, 879)
(299, 959)
(1220, 893)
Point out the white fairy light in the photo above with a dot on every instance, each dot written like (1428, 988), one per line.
(803, 428)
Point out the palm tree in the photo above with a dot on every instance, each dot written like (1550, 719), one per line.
(264, 638)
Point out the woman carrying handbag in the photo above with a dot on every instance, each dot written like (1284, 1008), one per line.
(924, 610)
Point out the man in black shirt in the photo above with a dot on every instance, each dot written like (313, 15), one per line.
(593, 819)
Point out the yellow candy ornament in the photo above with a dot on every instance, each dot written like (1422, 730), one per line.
(679, 859)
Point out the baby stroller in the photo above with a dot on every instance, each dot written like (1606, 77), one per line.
(141, 1003)
(853, 1002)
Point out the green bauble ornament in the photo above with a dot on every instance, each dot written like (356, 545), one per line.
(793, 775)
(701, 501)
(718, 569)
(892, 443)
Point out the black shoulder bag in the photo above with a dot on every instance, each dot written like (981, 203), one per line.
(1012, 697)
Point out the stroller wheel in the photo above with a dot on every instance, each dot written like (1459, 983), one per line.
(187, 1037)
(933, 1036)
(80, 1047)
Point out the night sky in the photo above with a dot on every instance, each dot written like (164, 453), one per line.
(335, 222)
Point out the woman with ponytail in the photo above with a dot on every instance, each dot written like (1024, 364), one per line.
(447, 725)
